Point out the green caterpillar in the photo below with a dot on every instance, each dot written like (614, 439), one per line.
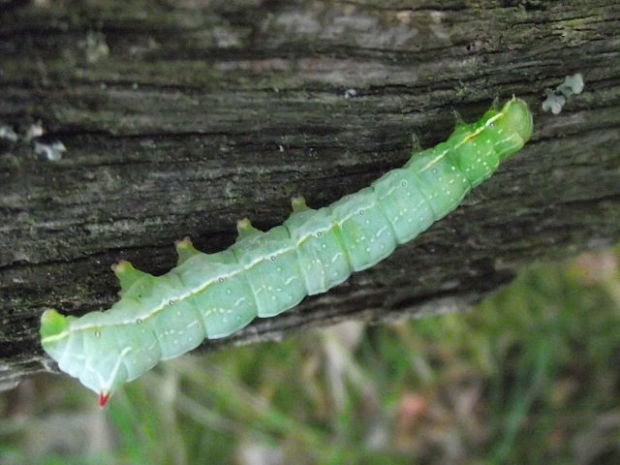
(266, 273)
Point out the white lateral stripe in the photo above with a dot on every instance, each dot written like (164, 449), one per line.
(247, 267)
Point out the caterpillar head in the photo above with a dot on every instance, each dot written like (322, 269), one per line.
(480, 147)
(510, 127)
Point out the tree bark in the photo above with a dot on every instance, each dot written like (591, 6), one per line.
(178, 118)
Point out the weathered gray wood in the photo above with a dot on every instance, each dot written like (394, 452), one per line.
(181, 117)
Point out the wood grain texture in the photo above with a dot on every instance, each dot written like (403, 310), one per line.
(181, 117)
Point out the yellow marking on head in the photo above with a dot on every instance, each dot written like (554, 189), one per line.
(466, 139)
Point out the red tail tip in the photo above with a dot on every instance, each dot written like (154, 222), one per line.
(103, 398)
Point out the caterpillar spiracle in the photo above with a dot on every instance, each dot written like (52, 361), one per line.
(265, 273)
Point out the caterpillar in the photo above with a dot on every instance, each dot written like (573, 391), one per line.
(265, 273)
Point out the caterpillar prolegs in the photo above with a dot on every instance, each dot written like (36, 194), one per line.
(266, 273)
